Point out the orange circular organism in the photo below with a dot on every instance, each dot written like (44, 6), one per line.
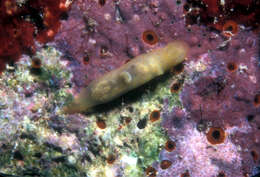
(216, 135)
(170, 145)
(155, 115)
(232, 66)
(150, 171)
(175, 87)
(150, 37)
(230, 28)
(111, 159)
(257, 100)
(101, 124)
(165, 164)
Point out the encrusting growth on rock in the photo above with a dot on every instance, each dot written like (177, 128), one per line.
(135, 73)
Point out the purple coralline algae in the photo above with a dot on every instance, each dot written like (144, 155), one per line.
(217, 129)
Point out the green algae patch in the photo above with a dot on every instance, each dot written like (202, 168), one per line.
(27, 101)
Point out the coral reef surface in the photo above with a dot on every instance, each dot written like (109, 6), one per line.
(202, 119)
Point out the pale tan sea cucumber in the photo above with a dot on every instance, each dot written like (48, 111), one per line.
(135, 73)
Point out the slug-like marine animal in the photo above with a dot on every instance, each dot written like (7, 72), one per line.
(135, 73)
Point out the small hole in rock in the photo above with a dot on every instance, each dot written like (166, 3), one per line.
(221, 174)
(186, 174)
(178, 2)
(155, 115)
(170, 145)
(250, 117)
(102, 2)
(175, 87)
(254, 155)
(165, 164)
(257, 100)
(216, 134)
(232, 66)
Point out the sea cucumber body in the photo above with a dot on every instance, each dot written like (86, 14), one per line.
(135, 73)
